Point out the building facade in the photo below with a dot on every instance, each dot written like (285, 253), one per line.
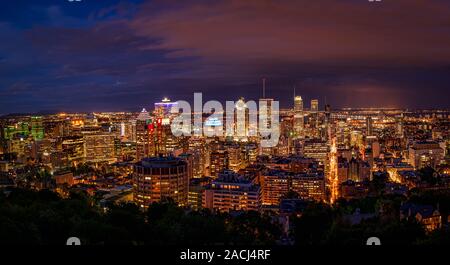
(158, 178)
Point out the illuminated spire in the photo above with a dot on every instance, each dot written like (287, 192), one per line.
(143, 115)
(264, 87)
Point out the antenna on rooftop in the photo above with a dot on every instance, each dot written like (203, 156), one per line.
(264, 87)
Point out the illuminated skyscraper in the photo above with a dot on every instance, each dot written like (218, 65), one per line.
(298, 104)
(266, 117)
(275, 184)
(316, 149)
(162, 109)
(143, 139)
(269, 103)
(99, 147)
(157, 178)
(309, 186)
(164, 142)
(268, 114)
(73, 148)
(314, 105)
(239, 120)
(314, 118)
(18, 130)
(235, 156)
(37, 128)
(298, 116)
(219, 161)
(197, 148)
(357, 139)
(250, 151)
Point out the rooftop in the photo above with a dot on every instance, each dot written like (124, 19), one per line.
(161, 162)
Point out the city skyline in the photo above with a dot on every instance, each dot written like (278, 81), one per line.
(225, 130)
(121, 56)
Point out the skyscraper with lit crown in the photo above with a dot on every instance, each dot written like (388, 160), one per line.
(314, 105)
(298, 116)
(143, 136)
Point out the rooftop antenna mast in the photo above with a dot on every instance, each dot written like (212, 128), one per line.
(264, 87)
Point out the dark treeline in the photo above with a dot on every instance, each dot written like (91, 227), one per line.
(44, 218)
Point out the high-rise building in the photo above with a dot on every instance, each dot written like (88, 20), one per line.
(235, 156)
(241, 121)
(269, 103)
(317, 149)
(18, 130)
(143, 136)
(356, 139)
(268, 113)
(163, 108)
(197, 148)
(250, 150)
(231, 191)
(219, 161)
(73, 149)
(189, 159)
(277, 183)
(197, 188)
(299, 120)
(22, 147)
(315, 105)
(376, 149)
(342, 169)
(99, 147)
(53, 127)
(369, 126)
(298, 104)
(314, 121)
(158, 178)
(327, 113)
(128, 130)
(358, 170)
(425, 153)
(309, 186)
(399, 127)
(37, 128)
(162, 139)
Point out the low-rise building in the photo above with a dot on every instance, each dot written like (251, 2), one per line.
(425, 153)
(427, 215)
(277, 183)
(231, 192)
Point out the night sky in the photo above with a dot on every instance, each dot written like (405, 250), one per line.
(124, 55)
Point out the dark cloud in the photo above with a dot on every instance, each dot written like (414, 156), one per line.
(400, 32)
(125, 54)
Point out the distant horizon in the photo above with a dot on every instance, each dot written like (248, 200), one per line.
(53, 112)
